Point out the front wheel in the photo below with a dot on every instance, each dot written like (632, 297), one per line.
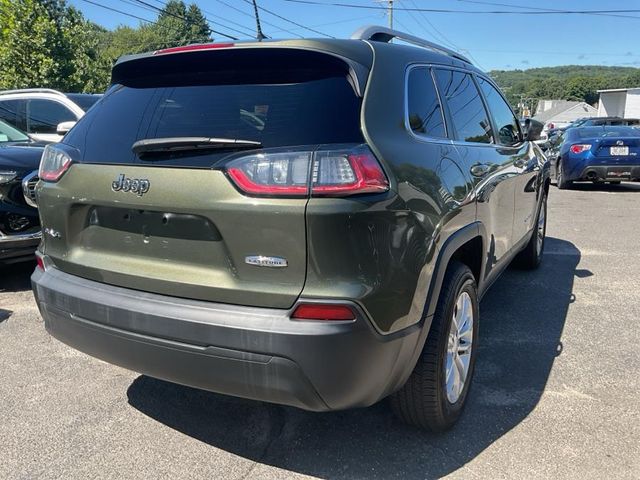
(435, 393)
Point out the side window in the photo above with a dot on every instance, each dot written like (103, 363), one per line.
(467, 111)
(424, 111)
(43, 116)
(503, 118)
(10, 113)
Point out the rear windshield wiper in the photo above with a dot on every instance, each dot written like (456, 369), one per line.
(176, 144)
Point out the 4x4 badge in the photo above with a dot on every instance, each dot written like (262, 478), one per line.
(139, 186)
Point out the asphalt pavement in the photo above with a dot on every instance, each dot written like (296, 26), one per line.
(556, 392)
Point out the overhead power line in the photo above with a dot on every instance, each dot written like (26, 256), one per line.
(163, 4)
(290, 21)
(477, 12)
(495, 4)
(182, 18)
(251, 16)
(118, 11)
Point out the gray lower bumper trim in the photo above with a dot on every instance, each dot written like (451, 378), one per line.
(257, 353)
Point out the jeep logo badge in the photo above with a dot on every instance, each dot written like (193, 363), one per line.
(139, 186)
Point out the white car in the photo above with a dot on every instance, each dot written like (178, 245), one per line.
(45, 114)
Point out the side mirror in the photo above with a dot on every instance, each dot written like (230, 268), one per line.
(531, 130)
(64, 127)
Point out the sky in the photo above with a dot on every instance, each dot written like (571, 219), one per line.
(493, 41)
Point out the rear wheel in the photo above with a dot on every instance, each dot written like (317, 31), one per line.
(560, 180)
(531, 256)
(435, 393)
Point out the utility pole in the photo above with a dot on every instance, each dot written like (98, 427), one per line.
(260, 36)
(390, 13)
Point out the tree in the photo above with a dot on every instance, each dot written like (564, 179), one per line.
(44, 43)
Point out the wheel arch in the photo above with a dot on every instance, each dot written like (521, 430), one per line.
(466, 246)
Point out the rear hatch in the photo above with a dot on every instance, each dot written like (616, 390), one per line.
(165, 216)
(613, 144)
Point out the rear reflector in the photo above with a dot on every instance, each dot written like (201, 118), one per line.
(316, 311)
(580, 148)
(339, 172)
(189, 48)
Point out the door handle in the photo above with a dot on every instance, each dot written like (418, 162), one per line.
(480, 169)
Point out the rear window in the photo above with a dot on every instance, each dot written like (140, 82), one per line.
(278, 103)
(84, 100)
(607, 131)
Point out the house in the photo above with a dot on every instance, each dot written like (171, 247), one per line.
(619, 102)
(559, 113)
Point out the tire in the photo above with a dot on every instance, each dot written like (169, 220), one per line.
(531, 256)
(560, 181)
(425, 401)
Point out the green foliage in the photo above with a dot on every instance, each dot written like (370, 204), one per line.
(46, 43)
(572, 82)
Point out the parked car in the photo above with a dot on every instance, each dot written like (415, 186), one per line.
(45, 114)
(326, 257)
(19, 223)
(599, 121)
(596, 154)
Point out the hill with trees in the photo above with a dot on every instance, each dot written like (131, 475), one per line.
(571, 82)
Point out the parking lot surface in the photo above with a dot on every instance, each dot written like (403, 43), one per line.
(556, 392)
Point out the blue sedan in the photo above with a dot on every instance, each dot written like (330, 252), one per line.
(596, 154)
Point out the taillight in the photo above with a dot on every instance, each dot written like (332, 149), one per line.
(579, 148)
(325, 312)
(40, 261)
(339, 172)
(54, 163)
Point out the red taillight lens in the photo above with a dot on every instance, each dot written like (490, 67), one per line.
(188, 48)
(580, 148)
(322, 173)
(340, 173)
(317, 311)
(39, 261)
(276, 173)
(54, 163)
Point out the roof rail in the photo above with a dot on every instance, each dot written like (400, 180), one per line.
(31, 90)
(383, 34)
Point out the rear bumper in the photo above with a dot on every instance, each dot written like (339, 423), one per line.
(610, 173)
(249, 352)
(17, 248)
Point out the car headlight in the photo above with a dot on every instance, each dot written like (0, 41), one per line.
(7, 176)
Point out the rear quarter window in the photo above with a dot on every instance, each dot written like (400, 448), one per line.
(423, 106)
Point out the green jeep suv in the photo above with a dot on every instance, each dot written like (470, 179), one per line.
(305, 222)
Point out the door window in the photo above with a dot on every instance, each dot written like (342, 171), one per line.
(507, 126)
(43, 116)
(466, 108)
(10, 113)
(424, 111)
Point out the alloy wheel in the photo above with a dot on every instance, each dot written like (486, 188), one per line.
(459, 347)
